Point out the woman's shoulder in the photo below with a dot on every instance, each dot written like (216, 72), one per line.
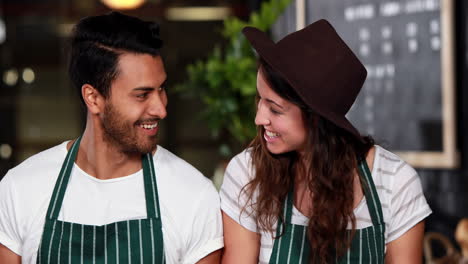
(391, 173)
(238, 173)
(390, 164)
(242, 162)
(245, 155)
(394, 178)
(234, 196)
(400, 191)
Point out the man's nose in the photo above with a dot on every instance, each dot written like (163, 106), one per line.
(158, 107)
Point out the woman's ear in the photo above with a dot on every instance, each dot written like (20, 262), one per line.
(93, 99)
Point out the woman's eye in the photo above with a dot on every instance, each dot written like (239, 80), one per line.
(275, 111)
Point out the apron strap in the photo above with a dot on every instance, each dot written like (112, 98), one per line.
(288, 206)
(287, 214)
(370, 192)
(151, 187)
(62, 182)
(149, 176)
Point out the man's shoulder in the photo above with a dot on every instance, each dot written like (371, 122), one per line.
(45, 162)
(181, 185)
(176, 169)
(190, 209)
(30, 183)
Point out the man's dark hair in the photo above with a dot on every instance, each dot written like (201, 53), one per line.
(97, 42)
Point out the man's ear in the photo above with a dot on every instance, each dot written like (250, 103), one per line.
(93, 99)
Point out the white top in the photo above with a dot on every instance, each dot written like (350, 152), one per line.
(398, 186)
(189, 204)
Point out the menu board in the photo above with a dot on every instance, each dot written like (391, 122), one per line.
(407, 102)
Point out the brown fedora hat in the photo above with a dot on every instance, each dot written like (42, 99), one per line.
(320, 67)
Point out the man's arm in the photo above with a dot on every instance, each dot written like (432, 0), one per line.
(9, 222)
(407, 248)
(7, 256)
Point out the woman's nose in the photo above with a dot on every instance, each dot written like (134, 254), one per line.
(261, 118)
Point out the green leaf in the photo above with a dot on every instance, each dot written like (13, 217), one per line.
(225, 82)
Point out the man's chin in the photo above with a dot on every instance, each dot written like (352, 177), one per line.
(138, 148)
(138, 151)
(148, 150)
(138, 145)
(148, 147)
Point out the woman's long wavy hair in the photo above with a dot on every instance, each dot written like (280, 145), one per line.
(328, 169)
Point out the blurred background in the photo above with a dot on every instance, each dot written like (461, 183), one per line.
(211, 80)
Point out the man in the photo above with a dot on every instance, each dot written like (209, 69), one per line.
(112, 195)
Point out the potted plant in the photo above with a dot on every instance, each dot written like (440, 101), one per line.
(225, 82)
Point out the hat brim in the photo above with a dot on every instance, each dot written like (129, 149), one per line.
(265, 49)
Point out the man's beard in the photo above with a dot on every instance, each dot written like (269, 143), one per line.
(120, 133)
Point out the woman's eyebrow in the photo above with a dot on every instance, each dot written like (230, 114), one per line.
(273, 102)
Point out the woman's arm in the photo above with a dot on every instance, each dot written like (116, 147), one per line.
(212, 258)
(240, 245)
(407, 248)
(7, 256)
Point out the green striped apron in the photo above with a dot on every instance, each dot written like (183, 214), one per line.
(367, 246)
(131, 241)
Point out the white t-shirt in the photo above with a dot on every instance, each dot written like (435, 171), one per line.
(189, 204)
(398, 186)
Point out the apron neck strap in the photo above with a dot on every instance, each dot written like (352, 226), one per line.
(151, 187)
(62, 181)
(149, 177)
(370, 192)
(287, 209)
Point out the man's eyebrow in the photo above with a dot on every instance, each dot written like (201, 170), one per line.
(273, 102)
(144, 89)
(149, 88)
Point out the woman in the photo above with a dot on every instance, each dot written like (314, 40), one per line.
(303, 192)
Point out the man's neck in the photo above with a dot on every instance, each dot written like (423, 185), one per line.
(100, 159)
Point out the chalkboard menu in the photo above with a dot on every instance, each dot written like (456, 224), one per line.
(407, 102)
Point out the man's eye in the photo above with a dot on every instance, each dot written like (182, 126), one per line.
(144, 95)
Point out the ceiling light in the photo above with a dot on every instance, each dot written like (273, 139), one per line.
(5, 151)
(123, 4)
(28, 75)
(2, 31)
(197, 13)
(10, 77)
